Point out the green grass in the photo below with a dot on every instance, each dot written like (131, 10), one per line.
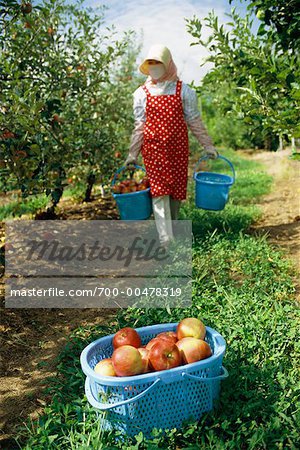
(243, 288)
(17, 208)
(34, 203)
(295, 155)
(75, 191)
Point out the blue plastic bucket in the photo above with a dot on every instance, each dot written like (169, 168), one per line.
(161, 400)
(133, 205)
(212, 189)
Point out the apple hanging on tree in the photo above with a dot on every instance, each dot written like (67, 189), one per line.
(26, 8)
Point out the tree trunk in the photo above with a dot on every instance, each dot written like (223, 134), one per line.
(267, 143)
(293, 144)
(91, 178)
(280, 147)
(55, 195)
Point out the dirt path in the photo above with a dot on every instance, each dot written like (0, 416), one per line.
(31, 339)
(281, 208)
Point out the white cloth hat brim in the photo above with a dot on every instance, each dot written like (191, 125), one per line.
(157, 53)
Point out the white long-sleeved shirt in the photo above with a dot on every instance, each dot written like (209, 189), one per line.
(190, 112)
(188, 95)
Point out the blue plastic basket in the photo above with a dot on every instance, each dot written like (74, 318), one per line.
(161, 400)
(212, 189)
(134, 205)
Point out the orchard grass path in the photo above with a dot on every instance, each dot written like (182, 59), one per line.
(244, 287)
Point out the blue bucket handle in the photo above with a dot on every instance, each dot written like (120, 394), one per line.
(123, 168)
(218, 157)
(223, 375)
(106, 406)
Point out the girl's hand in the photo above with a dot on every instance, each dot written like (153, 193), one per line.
(211, 153)
(130, 160)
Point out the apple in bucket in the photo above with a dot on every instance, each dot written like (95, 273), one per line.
(164, 355)
(171, 335)
(191, 327)
(165, 336)
(127, 186)
(127, 336)
(127, 361)
(105, 368)
(193, 350)
(145, 359)
(117, 188)
(151, 343)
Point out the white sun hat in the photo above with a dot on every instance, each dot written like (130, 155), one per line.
(159, 53)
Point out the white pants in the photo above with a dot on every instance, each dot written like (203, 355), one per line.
(165, 209)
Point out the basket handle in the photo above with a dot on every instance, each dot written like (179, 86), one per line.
(218, 157)
(124, 168)
(106, 406)
(223, 375)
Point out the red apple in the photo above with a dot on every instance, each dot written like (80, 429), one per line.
(168, 334)
(151, 343)
(164, 355)
(126, 190)
(146, 181)
(26, 8)
(106, 368)
(7, 135)
(142, 187)
(160, 337)
(145, 359)
(191, 327)
(192, 349)
(57, 118)
(116, 189)
(127, 336)
(127, 361)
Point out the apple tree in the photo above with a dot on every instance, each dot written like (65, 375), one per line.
(60, 105)
(281, 19)
(263, 81)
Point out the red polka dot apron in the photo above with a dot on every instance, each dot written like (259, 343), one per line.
(165, 147)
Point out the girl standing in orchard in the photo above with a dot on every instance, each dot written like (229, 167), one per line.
(164, 108)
